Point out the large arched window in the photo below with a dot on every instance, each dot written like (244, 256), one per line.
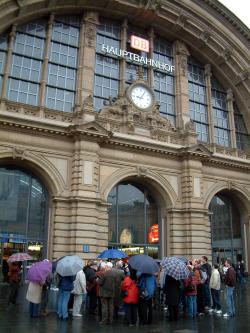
(133, 219)
(23, 218)
(225, 229)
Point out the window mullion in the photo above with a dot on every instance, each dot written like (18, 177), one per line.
(8, 62)
(231, 118)
(46, 62)
(122, 76)
(208, 75)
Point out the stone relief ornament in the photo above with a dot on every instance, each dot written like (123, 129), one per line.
(190, 126)
(151, 4)
(18, 153)
(90, 34)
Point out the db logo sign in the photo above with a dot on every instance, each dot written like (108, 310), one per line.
(139, 44)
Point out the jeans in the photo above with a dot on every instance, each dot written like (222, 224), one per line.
(216, 299)
(34, 310)
(192, 306)
(63, 300)
(230, 300)
(207, 294)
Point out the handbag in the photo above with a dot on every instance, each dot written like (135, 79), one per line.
(143, 294)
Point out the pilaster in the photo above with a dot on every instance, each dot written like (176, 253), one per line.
(181, 84)
(231, 118)
(208, 75)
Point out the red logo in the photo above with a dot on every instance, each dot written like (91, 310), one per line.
(139, 43)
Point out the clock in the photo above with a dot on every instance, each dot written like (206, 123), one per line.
(141, 96)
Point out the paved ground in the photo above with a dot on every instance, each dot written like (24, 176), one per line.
(16, 320)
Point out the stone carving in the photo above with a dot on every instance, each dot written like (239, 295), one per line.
(182, 54)
(151, 4)
(227, 53)
(181, 20)
(208, 71)
(206, 33)
(90, 34)
(18, 153)
(230, 95)
(120, 115)
(190, 126)
(141, 171)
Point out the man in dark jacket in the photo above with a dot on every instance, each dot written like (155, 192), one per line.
(90, 272)
(230, 281)
(206, 267)
(108, 285)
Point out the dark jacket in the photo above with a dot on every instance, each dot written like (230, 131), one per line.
(147, 282)
(230, 278)
(66, 283)
(172, 290)
(108, 284)
(208, 269)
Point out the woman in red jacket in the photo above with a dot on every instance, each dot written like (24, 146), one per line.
(130, 293)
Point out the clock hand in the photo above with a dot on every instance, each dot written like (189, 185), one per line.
(142, 95)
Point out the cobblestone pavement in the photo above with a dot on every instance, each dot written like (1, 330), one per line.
(17, 320)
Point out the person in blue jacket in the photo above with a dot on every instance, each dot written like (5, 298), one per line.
(147, 286)
(65, 286)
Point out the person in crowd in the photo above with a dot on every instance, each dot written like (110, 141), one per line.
(191, 292)
(172, 291)
(206, 267)
(147, 286)
(78, 292)
(34, 296)
(108, 287)
(118, 269)
(99, 274)
(45, 295)
(5, 271)
(199, 273)
(240, 270)
(215, 286)
(65, 287)
(230, 282)
(14, 276)
(90, 271)
(130, 293)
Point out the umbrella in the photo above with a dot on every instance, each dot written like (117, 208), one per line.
(143, 264)
(112, 254)
(175, 267)
(69, 265)
(19, 257)
(39, 271)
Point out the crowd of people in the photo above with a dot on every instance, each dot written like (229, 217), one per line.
(109, 288)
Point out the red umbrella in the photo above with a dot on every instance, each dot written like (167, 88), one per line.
(19, 257)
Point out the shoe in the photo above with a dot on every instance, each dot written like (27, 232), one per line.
(201, 314)
(77, 315)
(226, 315)
(210, 310)
(218, 312)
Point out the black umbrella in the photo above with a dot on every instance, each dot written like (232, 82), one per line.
(144, 264)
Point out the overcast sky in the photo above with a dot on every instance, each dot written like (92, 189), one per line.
(240, 8)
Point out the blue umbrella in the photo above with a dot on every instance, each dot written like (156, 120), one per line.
(144, 264)
(112, 254)
(175, 267)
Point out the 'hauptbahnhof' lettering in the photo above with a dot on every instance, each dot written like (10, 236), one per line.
(105, 143)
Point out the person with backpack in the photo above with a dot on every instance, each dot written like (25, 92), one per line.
(191, 292)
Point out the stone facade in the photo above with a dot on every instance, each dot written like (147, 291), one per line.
(80, 156)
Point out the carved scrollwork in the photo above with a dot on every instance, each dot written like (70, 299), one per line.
(18, 153)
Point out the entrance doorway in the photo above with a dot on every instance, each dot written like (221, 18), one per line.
(226, 229)
(133, 219)
(23, 218)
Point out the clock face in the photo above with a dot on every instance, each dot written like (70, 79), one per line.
(141, 96)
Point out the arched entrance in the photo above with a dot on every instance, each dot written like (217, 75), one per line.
(226, 228)
(134, 219)
(24, 213)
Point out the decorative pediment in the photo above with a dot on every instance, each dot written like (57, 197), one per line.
(90, 129)
(198, 150)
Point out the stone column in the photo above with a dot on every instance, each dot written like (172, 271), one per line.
(181, 84)
(210, 113)
(86, 85)
(12, 36)
(231, 118)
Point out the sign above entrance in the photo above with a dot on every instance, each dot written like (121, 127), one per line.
(139, 43)
(133, 57)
